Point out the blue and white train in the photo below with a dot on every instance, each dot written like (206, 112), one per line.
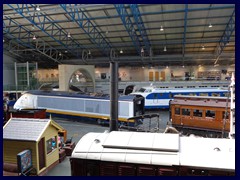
(82, 106)
(159, 98)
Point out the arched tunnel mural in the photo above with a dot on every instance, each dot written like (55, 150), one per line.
(81, 80)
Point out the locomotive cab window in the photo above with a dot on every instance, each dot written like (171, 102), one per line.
(142, 90)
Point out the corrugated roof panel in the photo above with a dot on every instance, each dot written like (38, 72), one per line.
(24, 129)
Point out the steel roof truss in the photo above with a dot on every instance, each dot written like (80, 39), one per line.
(138, 20)
(88, 27)
(30, 42)
(185, 30)
(225, 37)
(129, 26)
(39, 20)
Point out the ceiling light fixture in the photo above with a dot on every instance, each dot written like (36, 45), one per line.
(89, 52)
(165, 48)
(38, 8)
(60, 54)
(34, 37)
(203, 47)
(142, 50)
(161, 29)
(3, 40)
(167, 67)
(210, 25)
(68, 35)
(121, 51)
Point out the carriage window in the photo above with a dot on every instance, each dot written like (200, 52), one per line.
(177, 111)
(225, 94)
(197, 113)
(210, 114)
(161, 94)
(192, 94)
(215, 94)
(223, 115)
(186, 112)
(203, 94)
(170, 95)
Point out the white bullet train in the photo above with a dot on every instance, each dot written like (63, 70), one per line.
(156, 98)
(81, 106)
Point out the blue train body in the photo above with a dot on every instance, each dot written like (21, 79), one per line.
(159, 98)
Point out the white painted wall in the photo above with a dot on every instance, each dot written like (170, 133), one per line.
(141, 74)
(48, 75)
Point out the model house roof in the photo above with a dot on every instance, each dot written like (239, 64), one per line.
(26, 129)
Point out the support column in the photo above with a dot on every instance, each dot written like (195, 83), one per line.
(114, 96)
(28, 80)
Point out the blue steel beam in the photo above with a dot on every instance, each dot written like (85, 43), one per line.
(159, 42)
(170, 27)
(185, 30)
(138, 20)
(129, 26)
(77, 15)
(152, 34)
(49, 27)
(159, 12)
(225, 37)
(117, 36)
(24, 37)
(148, 22)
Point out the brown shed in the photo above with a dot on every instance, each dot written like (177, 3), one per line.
(38, 135)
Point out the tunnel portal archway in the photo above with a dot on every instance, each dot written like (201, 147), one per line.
(81, 79)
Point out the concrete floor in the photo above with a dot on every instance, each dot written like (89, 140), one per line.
(78, 129)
